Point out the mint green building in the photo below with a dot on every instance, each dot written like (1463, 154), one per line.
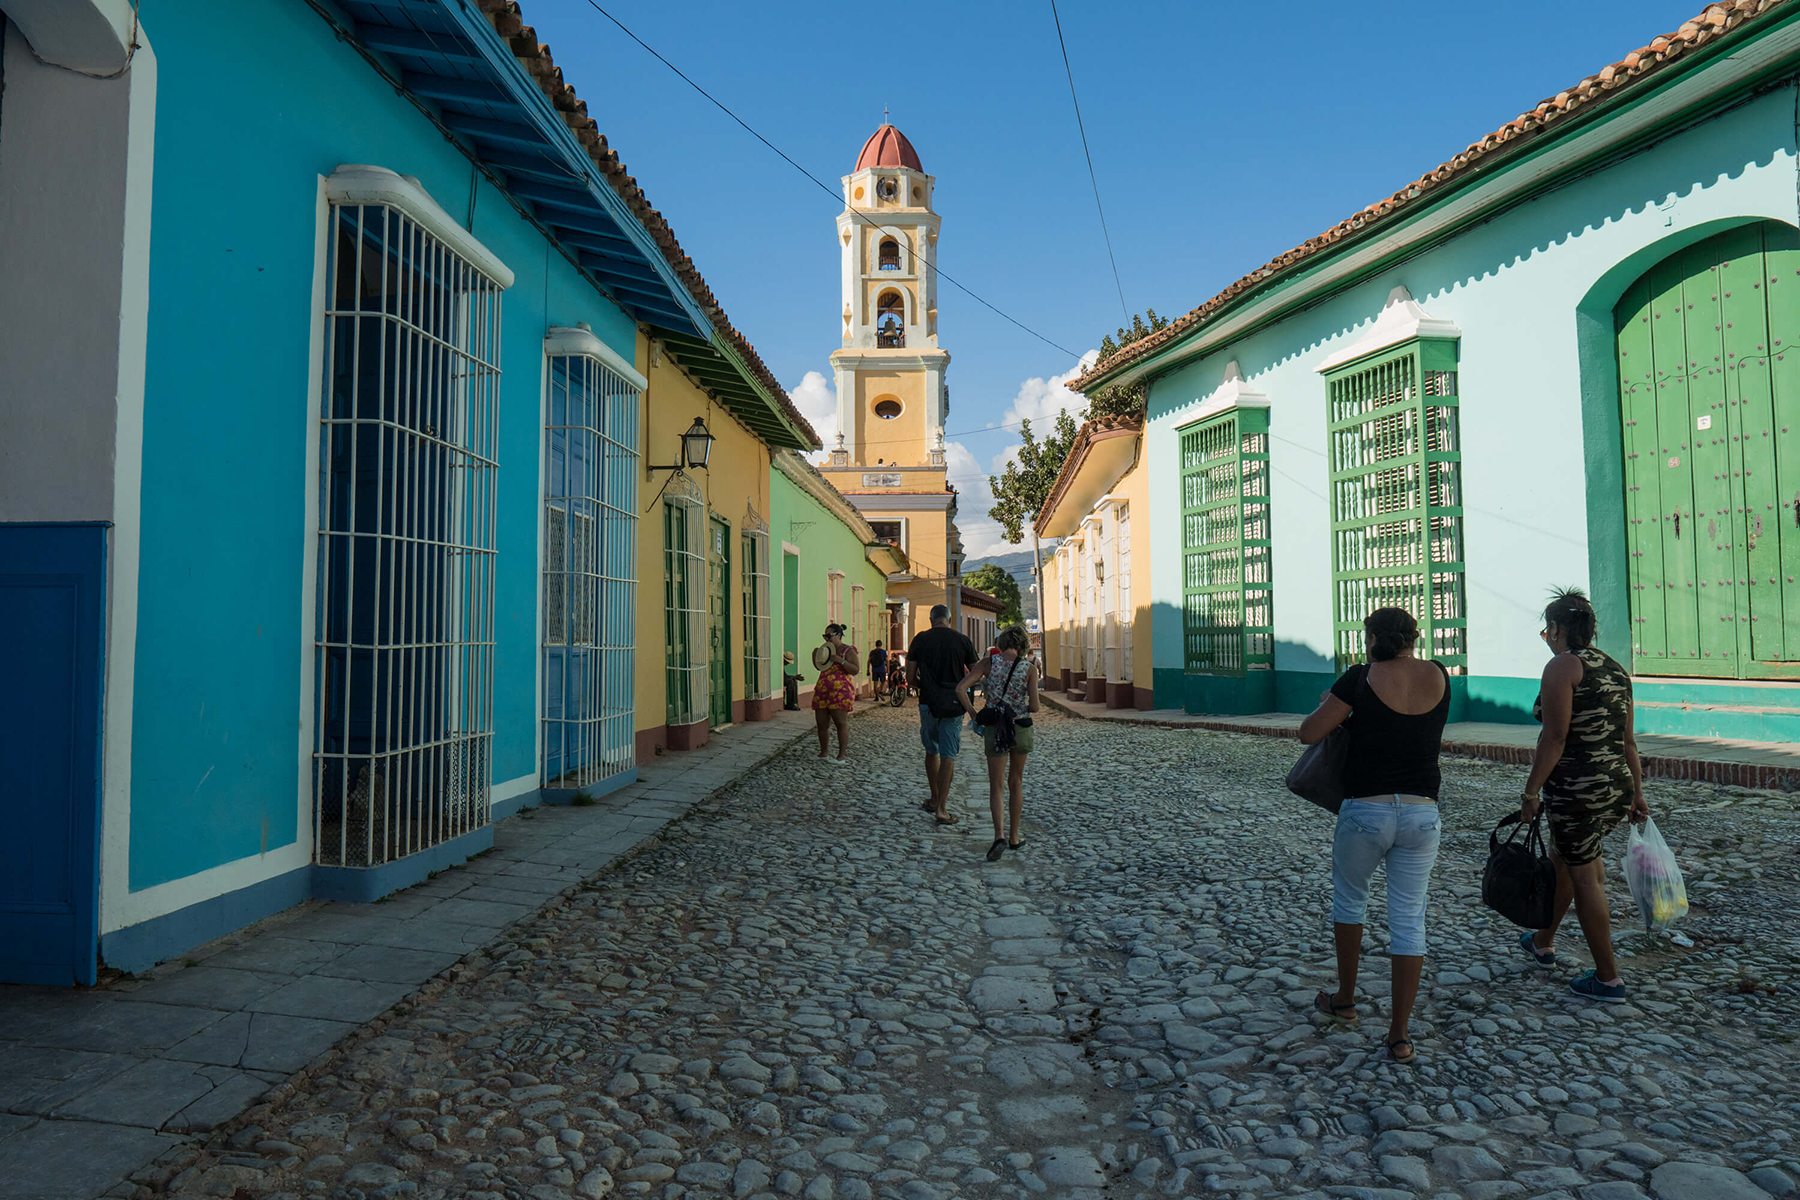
(826, 566)
(1562, 357)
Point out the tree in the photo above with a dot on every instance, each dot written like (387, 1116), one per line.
(1020, 491)
(993, 579)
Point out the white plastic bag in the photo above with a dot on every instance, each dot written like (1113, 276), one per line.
(1654, 878)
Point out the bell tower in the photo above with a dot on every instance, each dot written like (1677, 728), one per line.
(889, 372)
(888, 460)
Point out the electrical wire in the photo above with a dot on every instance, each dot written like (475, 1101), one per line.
(821, 184)
(1092, 178)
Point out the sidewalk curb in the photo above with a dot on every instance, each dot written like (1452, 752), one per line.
(1656, 766)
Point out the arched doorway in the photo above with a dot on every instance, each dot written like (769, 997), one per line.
(1709, 379)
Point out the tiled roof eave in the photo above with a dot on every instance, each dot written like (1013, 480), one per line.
(1071, 466)
(1561, 115)
(534, 59)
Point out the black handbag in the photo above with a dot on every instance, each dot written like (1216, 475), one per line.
(1319, 775)
(1519, 881)
(1322, 773)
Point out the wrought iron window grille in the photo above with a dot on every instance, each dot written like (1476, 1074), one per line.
(1227, 574)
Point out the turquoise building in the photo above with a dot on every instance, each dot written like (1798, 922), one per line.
(324, 328)
(1562, 357)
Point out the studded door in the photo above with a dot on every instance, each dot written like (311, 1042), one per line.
(1710, 389)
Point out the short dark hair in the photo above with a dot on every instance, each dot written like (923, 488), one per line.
(1571, 611)
(878, 643)
(832, 628)
(1390, 631)
(940, 612)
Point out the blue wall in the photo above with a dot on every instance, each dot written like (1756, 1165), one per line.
(257, 101)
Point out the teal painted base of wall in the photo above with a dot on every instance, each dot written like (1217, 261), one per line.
(365, 885)
(140, 947)
(1234, 695)
(612, 783)
(1678, 708)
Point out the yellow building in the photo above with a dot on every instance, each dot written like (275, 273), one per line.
(705, 649)
(892, 400)
(1095, 602)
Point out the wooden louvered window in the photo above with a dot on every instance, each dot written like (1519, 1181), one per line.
(1228, 614)
(1396, 497)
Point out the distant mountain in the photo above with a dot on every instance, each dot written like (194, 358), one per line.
(1018, 565)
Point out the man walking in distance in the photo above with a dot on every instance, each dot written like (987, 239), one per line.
(878, 670)
(936, 662)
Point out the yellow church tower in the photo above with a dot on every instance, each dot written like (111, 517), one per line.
(892, 400)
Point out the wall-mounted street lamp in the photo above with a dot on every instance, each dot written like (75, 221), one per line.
(696, 448)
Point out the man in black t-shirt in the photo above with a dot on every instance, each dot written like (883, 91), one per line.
(878, 669)
(936, 662)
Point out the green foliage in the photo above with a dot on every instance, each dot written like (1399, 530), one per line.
(1020, 493)
(993, 579)
(1022, 489)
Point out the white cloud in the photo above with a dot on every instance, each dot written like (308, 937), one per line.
(816, 398)
(1039, 399)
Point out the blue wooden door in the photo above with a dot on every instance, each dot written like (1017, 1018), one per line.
(52, 622)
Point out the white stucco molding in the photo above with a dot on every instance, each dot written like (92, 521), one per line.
(356, 183)
(1401, 320)
(580, 340)
(1233, 392)
(95, 36)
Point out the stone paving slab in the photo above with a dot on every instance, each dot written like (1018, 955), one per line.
(95, 1084)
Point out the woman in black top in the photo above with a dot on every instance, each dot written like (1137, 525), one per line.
(1395, 706)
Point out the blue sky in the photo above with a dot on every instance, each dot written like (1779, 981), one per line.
(1222, 135)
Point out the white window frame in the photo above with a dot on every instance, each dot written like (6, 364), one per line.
(834, 597)
(416, 324)
(686, 698)
(754, 578)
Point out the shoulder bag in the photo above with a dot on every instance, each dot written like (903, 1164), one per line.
(1321, 774)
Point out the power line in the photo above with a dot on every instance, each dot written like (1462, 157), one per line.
(821, 184)
(1092, 178)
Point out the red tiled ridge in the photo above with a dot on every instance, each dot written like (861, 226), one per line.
(1717, 21)
(534, 57)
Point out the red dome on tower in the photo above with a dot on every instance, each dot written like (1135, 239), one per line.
(888, 147)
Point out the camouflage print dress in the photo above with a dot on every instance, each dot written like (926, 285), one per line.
(1589, 792)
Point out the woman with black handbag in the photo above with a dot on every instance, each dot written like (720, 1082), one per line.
(1587, 774)
(1006, 726)
(1395, 706)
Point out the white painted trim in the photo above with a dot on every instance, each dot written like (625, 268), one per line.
(1233, 392)
(513, 787)
(83, 35)
(1401, 320)
(221, 880)
(309, 524)
(114, 865)
(881, 503)
(566, 339)
(790, 548)
(807, 478)
(540, 523)
(356, 183)
(1747, 61)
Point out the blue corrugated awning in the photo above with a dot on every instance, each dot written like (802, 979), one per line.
(447, 54)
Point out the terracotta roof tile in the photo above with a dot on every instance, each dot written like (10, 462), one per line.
(534, 57)
(1719, 19)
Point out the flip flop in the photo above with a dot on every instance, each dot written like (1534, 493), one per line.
(996, 850)
(1326, 1004)
(928, 806)
(1015, 845)
(1407, 1059)
(950, 820)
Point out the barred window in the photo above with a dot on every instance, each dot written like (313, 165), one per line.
(590, 552)
(684, 602)
(1396, 497)
(754, 556)
(1227, 585)
(404, 653)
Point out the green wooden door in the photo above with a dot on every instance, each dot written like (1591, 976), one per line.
(718, 620)
(1711, 411)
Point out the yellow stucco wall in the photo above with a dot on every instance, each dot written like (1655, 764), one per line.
(1057, 616)
(736, 476)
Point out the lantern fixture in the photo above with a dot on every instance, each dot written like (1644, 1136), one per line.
(696, 448)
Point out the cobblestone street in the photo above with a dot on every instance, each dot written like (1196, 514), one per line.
(805, 988)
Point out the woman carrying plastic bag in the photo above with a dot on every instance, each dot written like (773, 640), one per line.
(1654, 878)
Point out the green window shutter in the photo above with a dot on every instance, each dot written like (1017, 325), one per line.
(1228, 613)
(1396, 497)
